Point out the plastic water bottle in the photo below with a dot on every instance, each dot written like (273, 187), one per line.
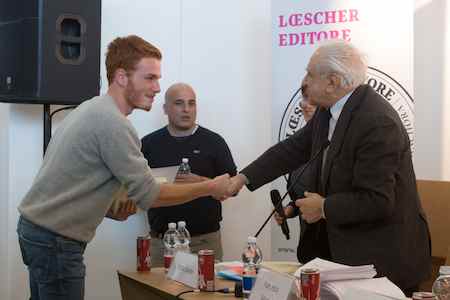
(252, 253)
(441, 287)
(251, 258)
(184, 168)
(248, 279)
(184, 237)
(171, 242)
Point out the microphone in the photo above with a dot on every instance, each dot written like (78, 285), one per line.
(306, 166)
(276, 198)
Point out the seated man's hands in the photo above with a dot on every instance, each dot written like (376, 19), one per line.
(288, 212)
(125, 210)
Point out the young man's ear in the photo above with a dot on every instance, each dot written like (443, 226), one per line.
(121, 77)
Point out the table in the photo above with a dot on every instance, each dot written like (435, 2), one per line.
(154, 285)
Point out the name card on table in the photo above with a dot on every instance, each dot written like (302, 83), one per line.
(271, 285)
(184, 269)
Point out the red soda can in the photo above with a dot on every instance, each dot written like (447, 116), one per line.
(206, 270)
(143, 253)
(309, 284)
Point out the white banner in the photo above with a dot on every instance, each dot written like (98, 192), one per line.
(383, 30)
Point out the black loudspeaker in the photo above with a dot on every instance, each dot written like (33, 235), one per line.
(49, 51)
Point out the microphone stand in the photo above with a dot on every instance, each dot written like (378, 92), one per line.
(322, 148)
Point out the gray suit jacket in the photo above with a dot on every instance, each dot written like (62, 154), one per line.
(372, 208)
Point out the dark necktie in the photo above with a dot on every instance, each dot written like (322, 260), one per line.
(323, 133)
(324, 125)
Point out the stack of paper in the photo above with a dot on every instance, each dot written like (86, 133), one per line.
(330, 271)
(338, 281)
(370, 289)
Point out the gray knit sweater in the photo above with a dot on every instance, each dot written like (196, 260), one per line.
(93, 152)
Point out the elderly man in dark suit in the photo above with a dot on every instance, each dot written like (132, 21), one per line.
(362, 206)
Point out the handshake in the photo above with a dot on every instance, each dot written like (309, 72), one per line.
(222, 187)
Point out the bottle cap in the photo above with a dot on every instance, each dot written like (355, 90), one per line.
(172, 225)
(181, 224)
(444, 270)
(252, 239)
(185, 160)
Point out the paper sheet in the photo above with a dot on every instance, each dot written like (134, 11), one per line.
(381, 287)
(165, 174)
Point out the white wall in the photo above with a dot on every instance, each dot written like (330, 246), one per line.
(220, 48)
(226, 57)
(4, 203)
(25, 156)
(223, 50)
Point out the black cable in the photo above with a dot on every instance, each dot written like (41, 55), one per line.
(61, 109)
(48, 116)
(16, 21)
(224, 291)
(306, 166)
(185, 292)
(280, 202)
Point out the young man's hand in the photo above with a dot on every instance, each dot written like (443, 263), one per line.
(125, 210)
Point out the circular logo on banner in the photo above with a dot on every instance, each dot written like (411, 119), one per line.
(382, 83)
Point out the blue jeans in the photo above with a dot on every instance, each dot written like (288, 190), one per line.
(55, 263)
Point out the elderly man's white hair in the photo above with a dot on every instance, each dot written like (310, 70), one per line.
(343, 59)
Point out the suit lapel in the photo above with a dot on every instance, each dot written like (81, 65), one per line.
(340, 130)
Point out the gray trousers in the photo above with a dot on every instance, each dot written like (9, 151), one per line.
(212, 241)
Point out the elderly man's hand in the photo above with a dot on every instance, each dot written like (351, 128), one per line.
(125, 210)
(288, 212)
(237, 182)
(311, 207)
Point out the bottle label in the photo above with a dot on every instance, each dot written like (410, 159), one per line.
(248, 281)
(167, 261)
